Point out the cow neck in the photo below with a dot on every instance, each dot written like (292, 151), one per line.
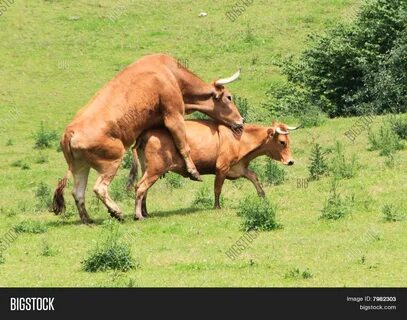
(195, 92)
(252, 141)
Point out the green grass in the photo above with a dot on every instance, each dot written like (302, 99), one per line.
(52, 64)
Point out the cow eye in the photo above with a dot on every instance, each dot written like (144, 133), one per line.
(282, 143)
(229, 98)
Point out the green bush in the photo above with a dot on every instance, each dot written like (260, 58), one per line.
(127, 160)
(44, 196)
(30, 226)
(258, 214)
(203, 198)
(356, 68)
(340, 167)
(398, 124)
(242, 105)
(317, 167)
(44, 138)
(336, 206)
(296, 273)
(174, 180)
(110, 253)
(385, 140)
(392, 213)
(274, 173)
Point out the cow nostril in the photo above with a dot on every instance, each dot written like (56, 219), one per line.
(291, 162)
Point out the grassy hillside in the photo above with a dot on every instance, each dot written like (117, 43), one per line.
(56, 54)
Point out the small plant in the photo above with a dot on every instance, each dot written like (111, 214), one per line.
(2, 259)
(118, 188)
(386, 141)
(398, 125)
(110, 253)
(203, 198)
(127, 160)
(20, 164)
(44, 138)
(274, 173)
(174, 180)
(242, 105)
(340, 167)
(257, 214)
(43, 196)
(41, 158)
(336, 206)
(296, 273)
(9, 143)
(48, 251)
(317, 166)
(30, 226)
(391, 214)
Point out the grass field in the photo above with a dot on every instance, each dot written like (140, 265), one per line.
(56, 54)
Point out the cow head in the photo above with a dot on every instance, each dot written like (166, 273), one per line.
(278, 143)
(221, 105)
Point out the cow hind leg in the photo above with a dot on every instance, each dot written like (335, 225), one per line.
(80, 177)
(141, 194)
(101, 189)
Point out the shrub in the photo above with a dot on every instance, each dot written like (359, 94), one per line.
(398, 125)
(274, 173)
(317, 166)
(110, 253)
(242, 105)
(257, 214)
(48, 251)
(359, 67)
(296, 273)
(336, 206)
(391, 213)
(44, 196)
(127, 160)
(44, 137)
(203, 198)
(30, 226)
(340, 167)
(385, 140)
(174, 180)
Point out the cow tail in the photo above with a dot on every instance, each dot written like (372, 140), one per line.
(58, 203)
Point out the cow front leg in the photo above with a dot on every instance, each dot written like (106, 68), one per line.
(251, 175)
(175, 124)
(219, 180)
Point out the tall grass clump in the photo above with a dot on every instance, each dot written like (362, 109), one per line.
(340, 166)
(317, 166)
(203, 198)
(273, 172)
(392, 213)
(336, 205)
(30, 226)
(110, 253)
(385, 140)
(174, 180)
(44, 137)
(258, 214)
(44, 196)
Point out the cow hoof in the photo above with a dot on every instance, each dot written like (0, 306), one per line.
(195, 176)
(145, 214)
(216, 207)
(87, 221)
(139, 218)
(117, 215)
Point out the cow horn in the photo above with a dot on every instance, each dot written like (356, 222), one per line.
(293, 128)
(222, 82)
(279, 131)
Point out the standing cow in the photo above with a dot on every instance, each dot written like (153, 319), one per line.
(214, 150)
(155, 90)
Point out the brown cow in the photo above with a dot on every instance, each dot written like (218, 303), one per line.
(155, 90)
(214, 150)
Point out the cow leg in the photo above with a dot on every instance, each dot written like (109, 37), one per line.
(251, 175)
(219, 180)
(133, 171)
(141, 189)
(80, 176)
(144, 206)
(175, 124)
(101, 189)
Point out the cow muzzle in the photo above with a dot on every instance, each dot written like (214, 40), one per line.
(237, 128)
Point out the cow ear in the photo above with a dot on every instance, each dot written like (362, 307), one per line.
(271, 132)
